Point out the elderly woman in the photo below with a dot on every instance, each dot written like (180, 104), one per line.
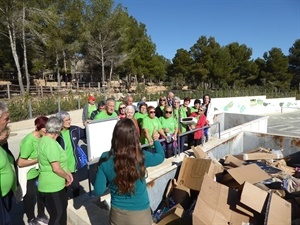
(123, 170)
(151, 125)
(139, 116)
(170, 127)
(129, 112)
(54, 173)
(28, 157)
(162, 103)
(68, 140)
(179, 113)
(199, 135)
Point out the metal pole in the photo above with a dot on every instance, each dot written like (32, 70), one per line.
(30, 109)
(58, 104)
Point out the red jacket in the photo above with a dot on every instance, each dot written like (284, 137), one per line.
(201, 123)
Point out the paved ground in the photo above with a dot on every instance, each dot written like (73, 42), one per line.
(285, 123)
(280, 123)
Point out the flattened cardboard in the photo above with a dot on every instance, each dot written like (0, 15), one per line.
(279, 211)
(172, 214)
(253, 197)
(193, 170)
(251, 173)
(213, 205)
(179, 193)
(233, 161)
(261, 155)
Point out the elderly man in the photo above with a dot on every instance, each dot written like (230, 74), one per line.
(170, 98)
(8, 179)
(129, 101)
(109, 111)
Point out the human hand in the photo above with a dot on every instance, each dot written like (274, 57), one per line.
(69, 179)
(155, 135)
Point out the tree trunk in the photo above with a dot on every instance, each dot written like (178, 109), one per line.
(25, 54)
(57, 71)
(103, 66)
(65, 64)
(13, 45)
(110, 73)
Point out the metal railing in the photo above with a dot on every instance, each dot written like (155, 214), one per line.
(177, 150)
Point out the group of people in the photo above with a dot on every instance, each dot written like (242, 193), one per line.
(47, 168)
(165, 119)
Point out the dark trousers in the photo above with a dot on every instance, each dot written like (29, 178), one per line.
(56, 205)
(5, 207)
(182, 142)
(32, 197)
(73, 190)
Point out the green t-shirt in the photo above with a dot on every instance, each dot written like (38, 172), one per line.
(193, 109)
(8, 179)
(69, 150)
(50, 151)
(170, 123)
(181, 110)
(104, 115)
(28, 150)
(118, 103)
(150, 125)
(91, 109)
(139, 117)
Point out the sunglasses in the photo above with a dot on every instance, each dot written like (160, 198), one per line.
(200, 110)
(122, 107)
(152, 112)
(162, 100)
(170, 112)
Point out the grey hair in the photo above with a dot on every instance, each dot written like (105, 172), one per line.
(176, 99)
(62, 115)
(128, 108)
(110, 100)
(3, 108)
(54, 125)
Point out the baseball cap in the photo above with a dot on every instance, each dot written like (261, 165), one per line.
(91, 98)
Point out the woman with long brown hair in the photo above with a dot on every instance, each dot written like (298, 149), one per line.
(123, 168)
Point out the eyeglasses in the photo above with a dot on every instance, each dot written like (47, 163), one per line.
(162, 100)
(152, 112)
(170, 112)
(200, 110)
(122, 107)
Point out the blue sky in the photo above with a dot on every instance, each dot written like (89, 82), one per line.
(260, 24)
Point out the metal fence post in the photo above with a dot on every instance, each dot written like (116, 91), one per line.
(78, 102)
(8, 91)
(58, 104)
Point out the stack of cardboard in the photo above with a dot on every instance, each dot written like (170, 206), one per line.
(229, 193)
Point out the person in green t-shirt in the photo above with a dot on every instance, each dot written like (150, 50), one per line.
(54, 173)
(151, 124)
(68, 140)
(162, 103)
(88, 109)
(139, 116)
(179, 113)
(170, 126)
(196, 106)
(8, 178)
(108, 112)
(28, 157)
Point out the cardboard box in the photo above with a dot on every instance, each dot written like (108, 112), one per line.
(279, 211)
(199, 153)
(192, 171)
(214, 205)
(171, 215)
(261, 155)
(179, 193)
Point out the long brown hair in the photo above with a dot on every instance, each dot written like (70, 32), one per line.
(128, 156)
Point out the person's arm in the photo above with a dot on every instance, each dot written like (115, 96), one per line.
(150, 141)
(162, 133)
(26, 162)
(100, 182)
(56, 168)
(154, 159)
(175, 134)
